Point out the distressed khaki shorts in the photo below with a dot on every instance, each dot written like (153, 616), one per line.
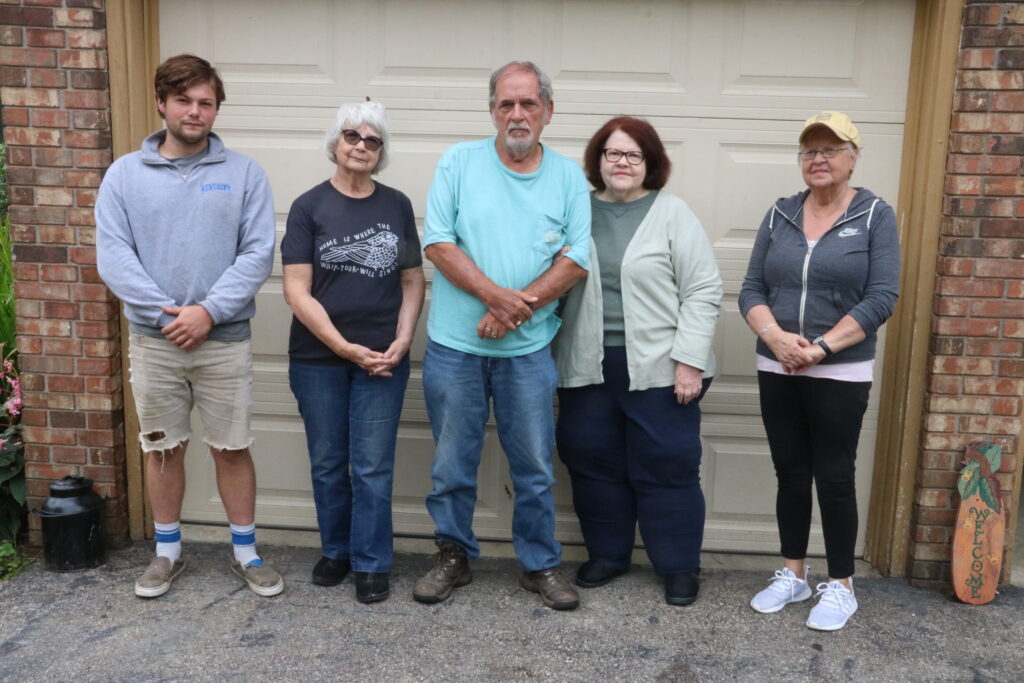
(167, 382)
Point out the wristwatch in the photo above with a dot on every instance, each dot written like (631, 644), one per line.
(820, 341)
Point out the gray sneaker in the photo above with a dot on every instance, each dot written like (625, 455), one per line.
(262, 580)
(157, 578)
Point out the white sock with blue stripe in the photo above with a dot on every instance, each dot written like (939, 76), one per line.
(168, 540)
(243, 539)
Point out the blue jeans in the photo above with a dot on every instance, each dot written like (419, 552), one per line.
(351, 423)
(459, 388)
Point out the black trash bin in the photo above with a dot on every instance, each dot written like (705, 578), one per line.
(73, 525)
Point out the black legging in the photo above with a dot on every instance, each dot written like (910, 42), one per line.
(813, 426)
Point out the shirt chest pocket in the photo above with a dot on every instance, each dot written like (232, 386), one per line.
(548, 236)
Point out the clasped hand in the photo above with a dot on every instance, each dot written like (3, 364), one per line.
(378, 363)
(507, 309)
(794, 352)
(190, 327)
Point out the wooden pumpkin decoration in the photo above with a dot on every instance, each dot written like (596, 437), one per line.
(980, 526)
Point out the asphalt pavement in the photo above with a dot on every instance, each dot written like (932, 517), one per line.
(89, 626)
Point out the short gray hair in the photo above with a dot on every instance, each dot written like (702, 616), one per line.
(351, 116)
(543, 80)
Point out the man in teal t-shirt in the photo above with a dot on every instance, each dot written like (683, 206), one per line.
(508, 228)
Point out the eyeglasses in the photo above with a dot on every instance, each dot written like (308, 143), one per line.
(828, 153)
(372, 142)
(613, 155)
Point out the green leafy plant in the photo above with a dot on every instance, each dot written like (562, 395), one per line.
(11, 563)
(12, 450)
(12, 454)
(7, 318)
(971, 480)
(3, 180)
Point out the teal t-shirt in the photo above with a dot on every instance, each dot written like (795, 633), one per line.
(511, 225)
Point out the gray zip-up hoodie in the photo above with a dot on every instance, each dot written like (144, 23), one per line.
(168, 239)
(853, 269)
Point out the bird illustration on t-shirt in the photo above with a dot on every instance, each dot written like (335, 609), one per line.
(377, 252)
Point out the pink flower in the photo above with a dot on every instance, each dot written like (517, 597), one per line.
(13, 406)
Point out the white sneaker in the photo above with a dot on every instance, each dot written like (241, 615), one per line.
(835, 607)
(785, 587)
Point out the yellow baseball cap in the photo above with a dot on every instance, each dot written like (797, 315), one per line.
(836, 121)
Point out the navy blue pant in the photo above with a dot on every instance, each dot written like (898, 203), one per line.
(813, 425)
(634, 457)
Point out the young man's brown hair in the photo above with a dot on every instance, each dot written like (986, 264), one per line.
(179, 73)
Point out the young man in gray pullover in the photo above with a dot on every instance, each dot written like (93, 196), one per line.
(185, 238)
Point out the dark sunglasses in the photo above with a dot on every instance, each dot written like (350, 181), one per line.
(372, 142)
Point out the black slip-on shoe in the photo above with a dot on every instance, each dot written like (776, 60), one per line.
(328, 572)
(594, 573)
(372, 586)
(682, 588)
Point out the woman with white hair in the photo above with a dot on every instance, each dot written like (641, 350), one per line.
(353, 277)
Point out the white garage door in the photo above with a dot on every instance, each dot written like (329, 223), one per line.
(727, 84)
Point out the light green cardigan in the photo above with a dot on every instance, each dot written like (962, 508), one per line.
(670, 299)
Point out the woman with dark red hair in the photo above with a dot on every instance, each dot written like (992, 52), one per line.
(634, 358)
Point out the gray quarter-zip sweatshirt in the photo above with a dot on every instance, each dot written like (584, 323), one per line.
(166, 237)
(853, 269)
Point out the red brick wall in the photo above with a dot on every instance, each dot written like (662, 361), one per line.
(53, 74)
(976, 377)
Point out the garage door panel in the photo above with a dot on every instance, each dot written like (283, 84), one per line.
(272, 397)
(639, 46)
(733, 343)
(314, 59)
(739, 479)
(824, 51)
(726, 84)
(788, 66)
(456, 57)
(743, 173)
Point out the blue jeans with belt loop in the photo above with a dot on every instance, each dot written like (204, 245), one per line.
(634, 457)
(459, 388)
(351, 424)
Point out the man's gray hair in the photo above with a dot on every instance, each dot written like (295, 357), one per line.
(546, 91)
(351, 116)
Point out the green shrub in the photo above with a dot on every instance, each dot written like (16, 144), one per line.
(10, 561)
(12, 454)
(12, 450)
(7, 320)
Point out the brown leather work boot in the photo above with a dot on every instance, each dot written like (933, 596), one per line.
(451, 570)
(555, 591)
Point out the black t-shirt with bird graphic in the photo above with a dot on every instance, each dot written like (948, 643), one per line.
(358, 248)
